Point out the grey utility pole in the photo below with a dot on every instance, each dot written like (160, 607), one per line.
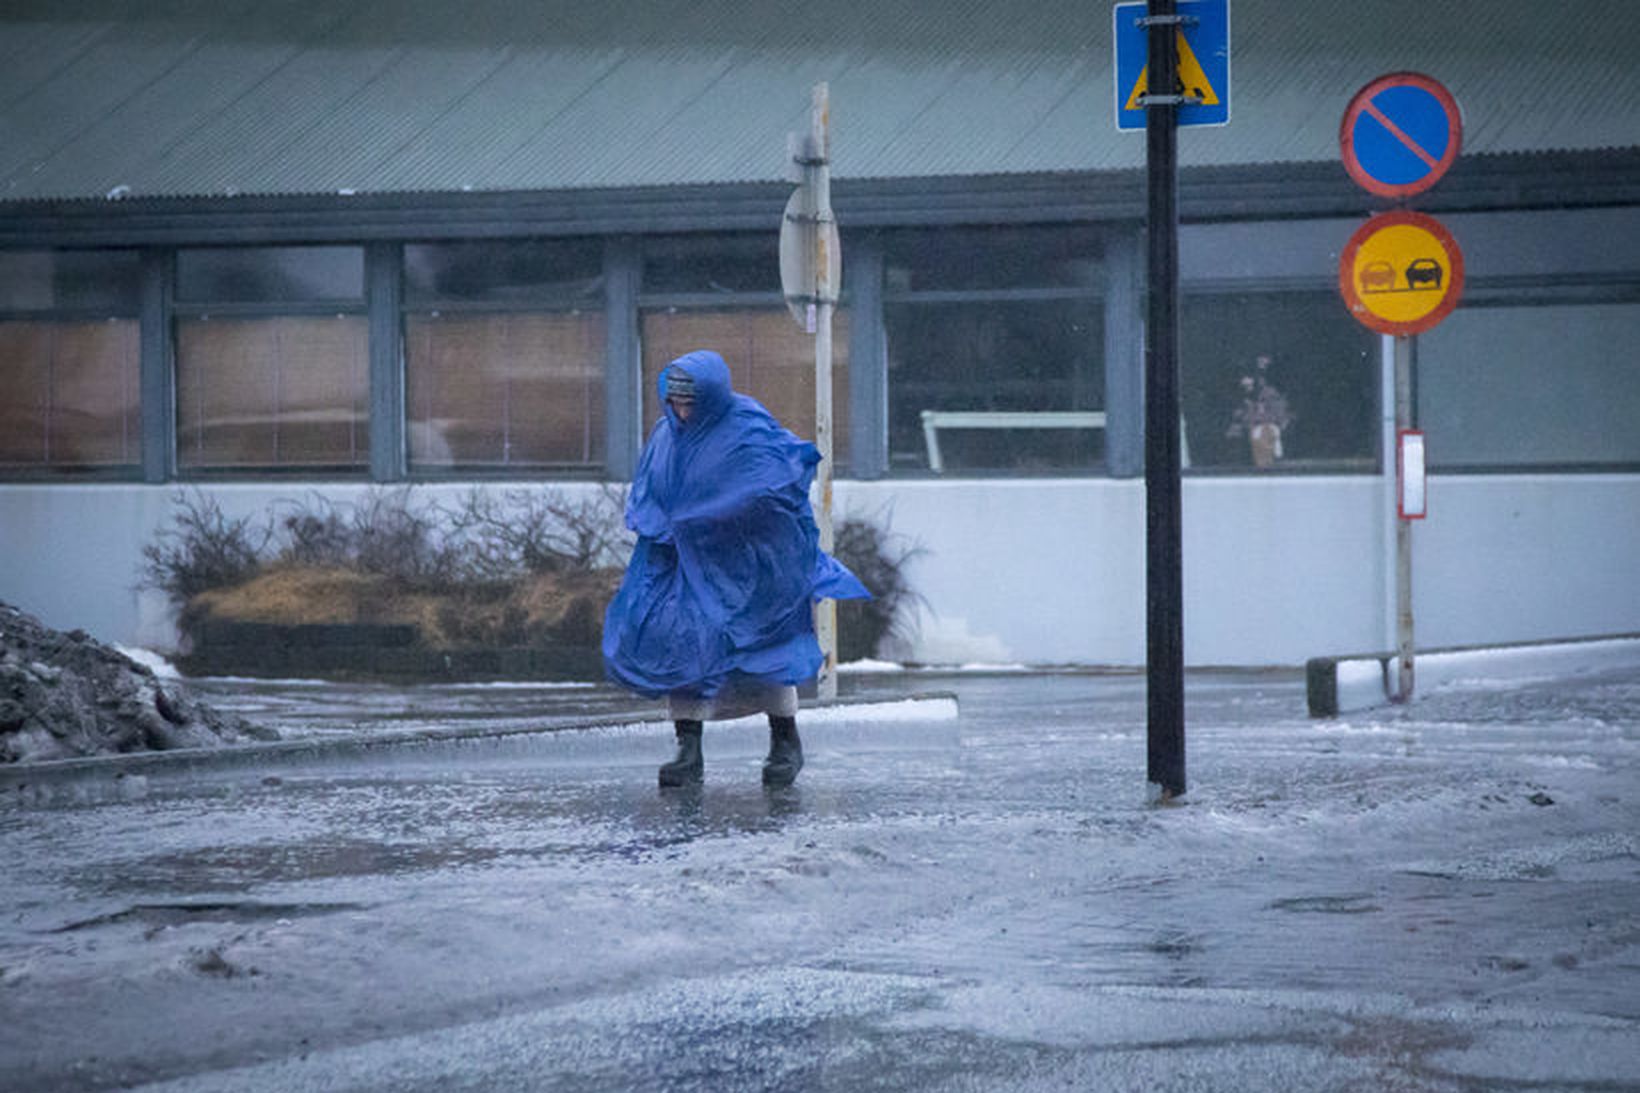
(811, 264)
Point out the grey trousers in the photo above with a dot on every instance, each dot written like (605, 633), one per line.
(739, 701)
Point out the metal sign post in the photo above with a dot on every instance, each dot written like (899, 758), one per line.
(1163, 508)
(810, 277)
(1400, 274)
(1404, 644)
(1173, 64)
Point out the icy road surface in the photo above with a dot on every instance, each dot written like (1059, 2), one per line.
(1443, 898)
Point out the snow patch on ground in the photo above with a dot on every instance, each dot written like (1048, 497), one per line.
(257, 681)
(516, 685)
(1531, 862)
(162, 668)
(869, 665)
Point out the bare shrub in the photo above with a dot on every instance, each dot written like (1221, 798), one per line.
(527, 566)
(878, 557)
(385, 532)
(202, 549)
(538, 531)
(316, 533)
(396, 538)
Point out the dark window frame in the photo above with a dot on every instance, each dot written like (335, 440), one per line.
(124, 306)
(1368, 464)
(910, 255)
(1485, 294)
(590, 300)
(204, 309)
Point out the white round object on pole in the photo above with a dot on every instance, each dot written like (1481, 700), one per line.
(807, 238)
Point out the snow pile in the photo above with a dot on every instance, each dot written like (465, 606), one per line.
(67, 695)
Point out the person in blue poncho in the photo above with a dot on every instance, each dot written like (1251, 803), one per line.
(715, 610)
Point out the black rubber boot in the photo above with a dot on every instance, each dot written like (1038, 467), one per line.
(688, 767)
(785, 752)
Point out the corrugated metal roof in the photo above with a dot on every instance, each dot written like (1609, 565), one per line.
(182, 97)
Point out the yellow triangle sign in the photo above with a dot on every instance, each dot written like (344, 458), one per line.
(1192, 80)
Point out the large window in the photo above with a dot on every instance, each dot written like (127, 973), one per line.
(1297, 360)
(504, 355)
(1521, 385)
(272, 360)
(723, 293)
(995, 351)
(69, 362)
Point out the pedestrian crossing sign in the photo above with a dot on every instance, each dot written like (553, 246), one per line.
(1204, 62)
(1192, 80)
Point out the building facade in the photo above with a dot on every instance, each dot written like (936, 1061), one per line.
(336, 247)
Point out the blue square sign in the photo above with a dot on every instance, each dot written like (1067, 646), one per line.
(1204, 62)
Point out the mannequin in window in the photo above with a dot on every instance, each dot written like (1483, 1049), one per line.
(1262, 415)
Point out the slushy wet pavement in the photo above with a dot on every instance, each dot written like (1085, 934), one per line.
(967, 895)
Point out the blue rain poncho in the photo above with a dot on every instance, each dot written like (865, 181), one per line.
(728, 561)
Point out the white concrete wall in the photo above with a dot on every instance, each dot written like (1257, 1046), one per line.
(1277, 569)
(1525, 557)
(1054, 572)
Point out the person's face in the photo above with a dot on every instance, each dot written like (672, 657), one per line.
(683, 407)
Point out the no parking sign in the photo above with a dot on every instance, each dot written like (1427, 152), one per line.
(1400, 134)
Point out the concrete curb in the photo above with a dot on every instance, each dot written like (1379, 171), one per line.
(130, 776)
(1362, 681)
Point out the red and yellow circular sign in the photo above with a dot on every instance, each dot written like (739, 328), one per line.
(1401, 273)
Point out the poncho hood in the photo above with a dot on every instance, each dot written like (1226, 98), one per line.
(727, 563)
(713, 390)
